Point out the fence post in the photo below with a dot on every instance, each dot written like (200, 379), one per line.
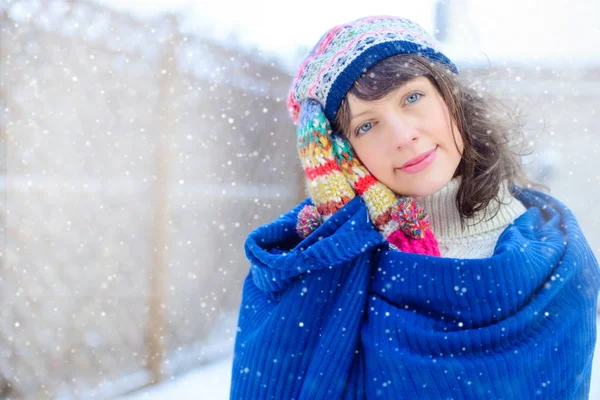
(157, 329)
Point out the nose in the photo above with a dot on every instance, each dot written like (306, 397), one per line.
(402, 131)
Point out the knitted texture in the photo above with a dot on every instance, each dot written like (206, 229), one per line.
(477, 236)
(346, 51)
(334, 175)
(327, 184)
(309, 219)
(336, 315)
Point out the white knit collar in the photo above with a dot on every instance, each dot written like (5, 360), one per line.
(445, 219)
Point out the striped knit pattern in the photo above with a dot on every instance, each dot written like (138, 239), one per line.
(326, 183)
(382, 203)
(346, 51)
(334, 175)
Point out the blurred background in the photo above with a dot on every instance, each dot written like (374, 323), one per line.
(141, 141)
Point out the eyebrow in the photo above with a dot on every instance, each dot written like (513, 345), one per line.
(352, 117)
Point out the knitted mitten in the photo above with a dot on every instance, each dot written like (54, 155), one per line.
(334, 175)
(326, 183)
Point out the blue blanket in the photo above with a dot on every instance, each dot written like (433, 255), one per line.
(340, 315)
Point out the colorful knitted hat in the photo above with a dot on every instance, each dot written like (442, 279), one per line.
(334, 174)
(347, 51)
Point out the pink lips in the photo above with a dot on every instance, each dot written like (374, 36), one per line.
(419, 162)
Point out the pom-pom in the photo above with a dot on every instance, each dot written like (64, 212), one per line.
(427, 245)
(413, 220)
(309, 219)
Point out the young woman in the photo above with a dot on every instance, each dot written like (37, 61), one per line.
(421, 266)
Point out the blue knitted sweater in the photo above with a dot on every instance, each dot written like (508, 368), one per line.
(339, 315)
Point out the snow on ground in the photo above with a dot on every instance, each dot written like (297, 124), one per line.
(209, 382)
(212, 382)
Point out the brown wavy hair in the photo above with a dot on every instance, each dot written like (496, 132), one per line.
(491, 132)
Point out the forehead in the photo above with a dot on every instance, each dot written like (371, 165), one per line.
(418, 82)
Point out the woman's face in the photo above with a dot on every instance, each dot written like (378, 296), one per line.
(405, 139)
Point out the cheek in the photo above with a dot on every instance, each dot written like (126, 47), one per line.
(454, 136)
(369, 155)
(454, 139)
(459, 140)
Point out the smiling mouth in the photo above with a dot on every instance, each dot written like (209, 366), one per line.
(419, 162)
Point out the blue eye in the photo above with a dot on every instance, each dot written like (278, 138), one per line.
(413, 97)
(364, 128)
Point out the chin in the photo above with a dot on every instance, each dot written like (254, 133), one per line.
(423, 190)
